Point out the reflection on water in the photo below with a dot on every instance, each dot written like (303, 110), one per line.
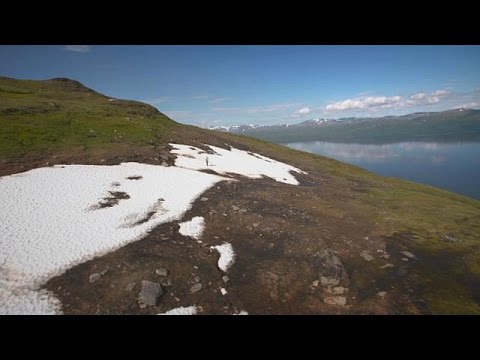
(452, 166)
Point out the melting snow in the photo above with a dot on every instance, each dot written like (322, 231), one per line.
(234, 161)
(193, 228)
(57, 217)
(50, 222)
(190, 310)
(227, 256)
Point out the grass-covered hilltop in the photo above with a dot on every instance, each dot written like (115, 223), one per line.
(342, 241)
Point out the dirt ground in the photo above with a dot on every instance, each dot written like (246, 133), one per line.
(283, 243)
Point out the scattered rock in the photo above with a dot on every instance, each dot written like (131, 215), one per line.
(225, 279)
(204, 199)
(235, 208)
(255, 225)
(408, 254)
(243, 210)
(382, 294)
(365, 254)
(167, 282)
(336, 300)
(196, 279)
(449, 238)
(404, 259)
(196, 288)
(386, 266)
(272, 276)
(339, 290)
(161, 272)
(315, 283)
(130, 286)
(150, 293)
(329, 281)
(331, 270)
(94, 277)
(223, 291)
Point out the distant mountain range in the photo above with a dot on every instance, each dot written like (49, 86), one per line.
(452, 125)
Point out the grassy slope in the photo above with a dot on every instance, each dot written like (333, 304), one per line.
(37, 116)
(443, 126)
(50, 116)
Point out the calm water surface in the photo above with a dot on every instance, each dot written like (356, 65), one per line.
(451, 166)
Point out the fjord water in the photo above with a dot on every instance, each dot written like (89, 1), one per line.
(451, 166)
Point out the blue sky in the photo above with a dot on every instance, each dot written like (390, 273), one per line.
(228, 85)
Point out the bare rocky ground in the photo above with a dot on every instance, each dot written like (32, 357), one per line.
(292, 257)
(314, 248)
(344, 241)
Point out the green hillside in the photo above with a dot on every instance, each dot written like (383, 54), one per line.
(56, 114)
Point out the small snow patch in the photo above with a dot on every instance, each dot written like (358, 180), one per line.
(227, 256)
(190, 310)
(223, 291)
(243, 312)
(193, 228)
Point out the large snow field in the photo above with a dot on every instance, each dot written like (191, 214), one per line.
(54, 218)
(234, 161)
(50, 222)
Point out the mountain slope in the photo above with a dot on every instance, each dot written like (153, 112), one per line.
(452, 125)
(335, 243)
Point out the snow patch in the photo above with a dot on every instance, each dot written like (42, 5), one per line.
(48, 224)
(243, 312)
(190, 310)
(223, 291)
(234, 161)
(227, 256)
(193, 228)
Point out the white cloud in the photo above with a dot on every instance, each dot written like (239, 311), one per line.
(440, 92)
(302, 111)
(388, 102)
(418, 96)
(201, 97)
(78, 48)
(471, 105)
(365, 103)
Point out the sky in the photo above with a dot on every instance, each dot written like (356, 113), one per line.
(231, 85)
